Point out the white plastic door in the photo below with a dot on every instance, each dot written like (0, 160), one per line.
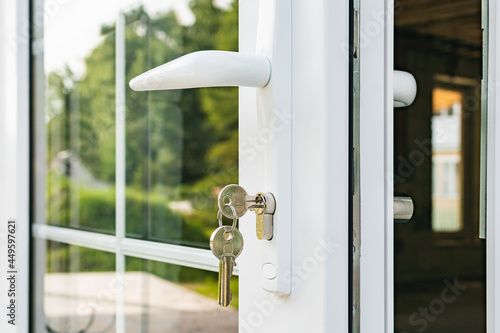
(298, 150)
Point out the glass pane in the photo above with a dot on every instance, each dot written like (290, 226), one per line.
(80, 288)
(182, 145)
(446, 160)
(162, 297)
(440, 264)
(74, 115)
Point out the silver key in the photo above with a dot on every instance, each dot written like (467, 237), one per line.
(236, 196)
(226, 245)
(233, 199)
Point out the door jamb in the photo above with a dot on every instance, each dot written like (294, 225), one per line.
(376, 52)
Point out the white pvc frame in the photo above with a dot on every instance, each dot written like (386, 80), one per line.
(493, 181)
(319, 180)
(376, 166)
(14, 152)
(377, 281)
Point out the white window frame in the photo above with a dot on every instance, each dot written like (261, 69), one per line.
(493, 181)
(377, 128)
(376, 166)
(14, 152)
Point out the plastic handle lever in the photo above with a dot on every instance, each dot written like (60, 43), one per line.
(405, 89)
(207, 69)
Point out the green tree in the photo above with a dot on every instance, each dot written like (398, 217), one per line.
(180, 144)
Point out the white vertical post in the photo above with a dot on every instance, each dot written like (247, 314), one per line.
(493, 181)
(14, 152)
(120, 164)
(376, 166)
(389, 163)
(319, 124)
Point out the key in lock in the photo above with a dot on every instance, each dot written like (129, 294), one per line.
(226, 244)
(263, 204)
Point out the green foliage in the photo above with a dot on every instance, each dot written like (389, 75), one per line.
(64, 258)
(181, 145)
(147, 215)
(175, 136)
(97, 209)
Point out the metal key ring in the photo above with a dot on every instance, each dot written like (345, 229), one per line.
(235, 219)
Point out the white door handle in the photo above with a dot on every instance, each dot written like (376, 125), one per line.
(273, 102)
(405, 89)
(207, 69)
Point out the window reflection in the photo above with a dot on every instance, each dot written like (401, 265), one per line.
(80, 289)
(181, 146)
(436, 154)
(79, 123)
(162, 297)
(446, 160)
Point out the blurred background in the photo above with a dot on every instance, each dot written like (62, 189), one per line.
(436, 162)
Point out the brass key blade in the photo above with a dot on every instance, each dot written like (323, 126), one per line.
(226, 244)
(226, 265)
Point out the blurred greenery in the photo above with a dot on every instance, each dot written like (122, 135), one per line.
(181, 145)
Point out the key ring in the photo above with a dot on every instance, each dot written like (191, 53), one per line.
(235, 220)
